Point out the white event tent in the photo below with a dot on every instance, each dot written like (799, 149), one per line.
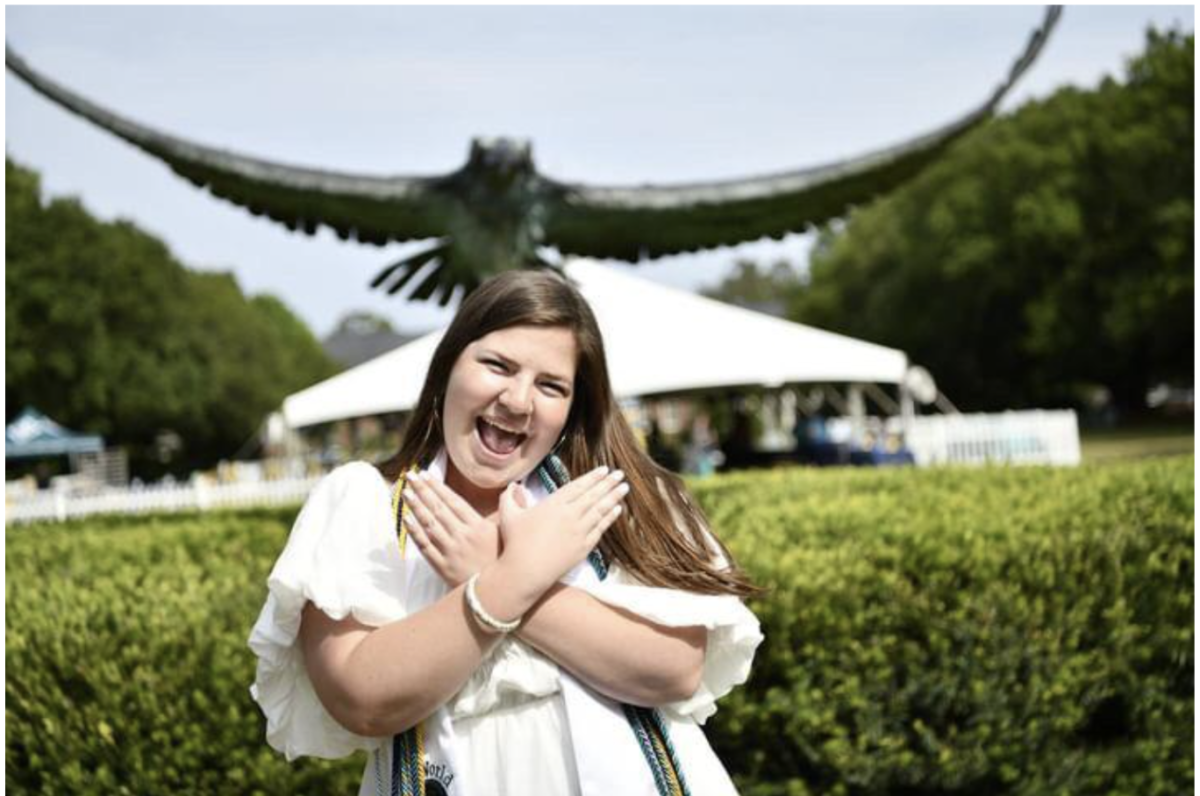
(658, 340)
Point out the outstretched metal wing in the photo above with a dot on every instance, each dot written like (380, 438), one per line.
(495, 211)
(651, 221)
(370, 209)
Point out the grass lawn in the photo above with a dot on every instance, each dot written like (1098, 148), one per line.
(1136, 442)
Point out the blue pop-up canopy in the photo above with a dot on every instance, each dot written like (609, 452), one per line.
(33, 434)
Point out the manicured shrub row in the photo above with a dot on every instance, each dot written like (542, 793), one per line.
(1017, 631)
(128, 671)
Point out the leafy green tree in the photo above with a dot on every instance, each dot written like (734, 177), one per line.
(751, 286)
(1050, 250)
(363, 322)
(107, 333)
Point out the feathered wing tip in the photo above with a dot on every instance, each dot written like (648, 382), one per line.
(394, 277)
(443, 272)
(435, 283)
(440, 275)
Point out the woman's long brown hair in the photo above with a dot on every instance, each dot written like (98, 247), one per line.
(662, 539)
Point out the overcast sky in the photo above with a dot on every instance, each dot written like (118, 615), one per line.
(608, 95)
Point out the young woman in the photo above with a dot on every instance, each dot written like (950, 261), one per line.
(520, 601)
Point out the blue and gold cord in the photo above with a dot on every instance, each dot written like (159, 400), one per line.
(647, 723)
(408, 763)
(408, 747)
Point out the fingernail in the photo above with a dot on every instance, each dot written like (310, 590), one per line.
(623, 489)
(417, 476)
(601, 469)
(409, 494)
(616, 475)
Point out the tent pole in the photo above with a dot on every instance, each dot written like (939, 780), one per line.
(858, 412)
(908, 411)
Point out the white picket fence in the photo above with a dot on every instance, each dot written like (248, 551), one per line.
(1027, 437)
(51, 504)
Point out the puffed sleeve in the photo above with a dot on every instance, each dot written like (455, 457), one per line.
(342, 555)
(733, 632)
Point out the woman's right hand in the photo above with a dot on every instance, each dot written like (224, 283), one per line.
(542, 543)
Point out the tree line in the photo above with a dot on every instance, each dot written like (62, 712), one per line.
(109, 334)
(1048, 254)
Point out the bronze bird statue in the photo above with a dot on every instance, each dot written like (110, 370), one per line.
(496, 211)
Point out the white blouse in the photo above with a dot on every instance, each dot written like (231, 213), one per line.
(509, 717)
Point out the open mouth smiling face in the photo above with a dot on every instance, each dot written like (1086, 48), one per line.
(507, 401)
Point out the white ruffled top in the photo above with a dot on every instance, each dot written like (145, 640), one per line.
(343, 556)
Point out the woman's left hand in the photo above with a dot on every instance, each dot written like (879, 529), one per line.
(454, 539)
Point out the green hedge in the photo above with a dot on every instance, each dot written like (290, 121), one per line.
(1017, 631)
(128, 670)
(1023, 631)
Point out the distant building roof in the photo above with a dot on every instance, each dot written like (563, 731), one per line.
(349, 348)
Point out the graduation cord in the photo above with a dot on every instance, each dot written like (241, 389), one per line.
(408, 762)
(647, 723)
(408, 747)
